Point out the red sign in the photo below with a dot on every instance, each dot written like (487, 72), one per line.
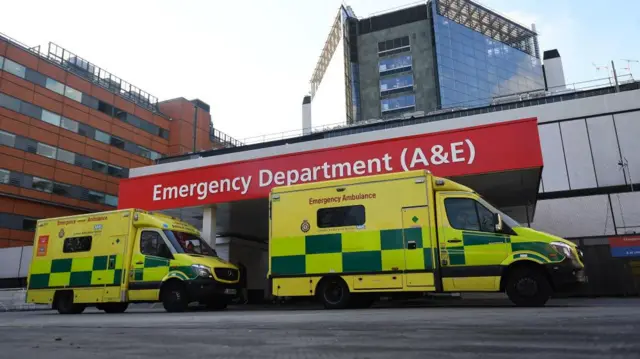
(473, 150)
(627, 241)
(43, 244)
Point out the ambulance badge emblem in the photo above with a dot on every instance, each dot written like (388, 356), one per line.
(61, 233)
(305, 226)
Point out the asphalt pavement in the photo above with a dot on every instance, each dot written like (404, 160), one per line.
(584, 328)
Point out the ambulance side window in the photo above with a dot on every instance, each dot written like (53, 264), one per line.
(341, 216)
(76, 244)
(466, 214)
(152, 244)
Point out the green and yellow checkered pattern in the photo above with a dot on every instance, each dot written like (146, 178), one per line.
(76, 272)
(350, 252)
(155, 269)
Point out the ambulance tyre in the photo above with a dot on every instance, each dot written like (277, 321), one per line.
(113, 308)
(63, 302)
(174, 297)
(528, 286)
(334, 293)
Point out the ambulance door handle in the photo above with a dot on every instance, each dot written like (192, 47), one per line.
(454, 240)
(411, 245)
(139, 262)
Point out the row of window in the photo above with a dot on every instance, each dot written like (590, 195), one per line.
(394, 46)
(55, 119)
(388, 66)
(42, 184)
(72, 158)
(87, 100)
(393, 85)
(463, 214)
(401, 103)
(17, 222)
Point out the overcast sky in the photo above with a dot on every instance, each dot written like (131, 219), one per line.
(251, 60)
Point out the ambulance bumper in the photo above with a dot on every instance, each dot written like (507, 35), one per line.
(204, 289)
(567, 276)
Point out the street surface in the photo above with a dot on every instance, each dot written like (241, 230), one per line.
(577, 328)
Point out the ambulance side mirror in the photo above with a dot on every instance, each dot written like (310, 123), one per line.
(497, 221)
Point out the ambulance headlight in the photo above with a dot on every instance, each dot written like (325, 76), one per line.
(563, 249)
(202, 271)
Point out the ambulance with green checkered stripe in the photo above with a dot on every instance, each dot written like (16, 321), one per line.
(349, 242)
(111, 259)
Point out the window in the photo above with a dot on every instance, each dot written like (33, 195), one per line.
(27, 144)
(152, 244)
(29, 224)
(155, 155)
(341, 216)
(110, 200)
(86, 131)
(1, 62)
(486, 218)
(9, 102)
(164, 133)
(392, 83)
(468, 214)
(14, 68)
(105, 108)
(4, 176)
(50, 117)
(115, 141)
(96, 197)
(69, 124)
(401, 63)
(90, 101)
(73, 94)
(398, 103)
(61, 189)
(55, 86)
(77, 244)
(36, 77)
(388, 47)
(115, 171)
(30, 110)
(103, 137)
(46, 150)
(98, 166)
(145, 152)
(7, 139)
(42, 184)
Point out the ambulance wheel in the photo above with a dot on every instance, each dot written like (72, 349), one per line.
(113, 308)
(174, 297)
(63, 302)
(528, 287)
(334, 293)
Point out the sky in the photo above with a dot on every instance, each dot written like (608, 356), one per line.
(251, 60)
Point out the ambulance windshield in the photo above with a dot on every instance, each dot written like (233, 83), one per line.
(190, 244)
(507, 220)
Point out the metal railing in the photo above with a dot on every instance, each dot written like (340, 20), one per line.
(85, 69)
(490, 104)
(101, 77)
(222, 138)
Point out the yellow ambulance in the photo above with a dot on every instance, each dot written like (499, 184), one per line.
(350, 241)
(111, 259)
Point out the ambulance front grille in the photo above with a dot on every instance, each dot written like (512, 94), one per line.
(226, 273)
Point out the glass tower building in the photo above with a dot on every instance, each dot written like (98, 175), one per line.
(481, 55)
(440, 54)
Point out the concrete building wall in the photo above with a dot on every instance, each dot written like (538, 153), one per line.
(419, 33)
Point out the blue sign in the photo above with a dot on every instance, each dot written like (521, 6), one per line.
(625, 251)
